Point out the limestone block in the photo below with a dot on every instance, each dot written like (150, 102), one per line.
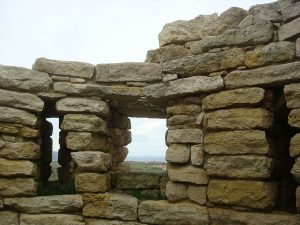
(180, 87)
(292, 95)
(66, 68)
(28, 132)
(110, 206)
(1, 203)
(187, 173)
(184, 136)
(137, 180)
(181, 120)
(197, 194)
(11, 115)
(270, 75)
(109, 222)
(10, 168)
(243, 167)
(20, 150)
(85, 141)
(163, 212)
(81, 105)
(291, 12)
(9, 218)
(17, 187)
(237, 97)
(298, 198)
(120, 154)
(265, 12)
(46, 204)
(19, 78)
(92, 182)
(294, 118)
(50, 219)
(167, 53)
(119, 120)
(197, 155)
(87, 123)
(272, 53)
(183, 109)
(120, 137)
(178, 153)
(289, 30)
(126, 72)
(206, 63)
(252, 194)
(88, 161)
(295, 146)
(237, 142)
(176, 191)
(239, 118)
(296, 170)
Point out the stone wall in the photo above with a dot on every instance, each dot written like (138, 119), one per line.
(229, 89)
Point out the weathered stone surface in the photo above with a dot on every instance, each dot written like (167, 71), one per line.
(243, 167)
(176, 191)
(178, 153)
(206, 63)
(296, 170)
(21, 100)
(92, 182)
(109, 222)
(252, 194)
(67, 68)
(120, 137)
(50, 219)
(119, 120)
(46, 204)
(289, 30)
(163, 212)
(237, 142)
(18, 186)
(16, 168)
(182, 109)
(84, 141)
(262, 12)
(272, 53)
(230, 217)
(271, 75)
(238, 97)
(191, 85)
(120, 154)
(239, 118)
(20, 150)
(298, 198)
(1, 203)
(19, 78)
(9, 218)
(187, 173)
(298, 47)
(181, 121)
(197, 155)
(292, 95)
(81, 122)
(138, 180)
(81, 105)
(126, 72)
(294, 118)
(295, 146)
(110, 206)
(184, 136)
(291, 12)
(11, 115)
(197, 194)
(91, 161)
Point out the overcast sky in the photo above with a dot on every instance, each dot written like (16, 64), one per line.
(98, 31)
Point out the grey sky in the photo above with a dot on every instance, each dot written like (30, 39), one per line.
(97, 31)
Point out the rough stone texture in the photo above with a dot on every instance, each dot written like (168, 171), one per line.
(109, 222)
(17, 187)
(289, 30)
(84, 141)
(197, 155)
(20, 150)
(82, 122)
(119, 120)
(138, 180)
(294, 118)
(295, 146)
(19, 78)
(243, 167)
(120, 154)
(1, 203)
(187, 173)
(298, 198)
(197, 194)
(291, 12)
(9, 218)
(292, 95)
(182, 121)
(126, 72)
(11, 115)
(271, 75)
(184, 136)
(50, 219)
(237, 142)
(296, 170)
(206, 63)
(163, 212)
(252, 194)
(120, 137)
(92, 182)
(239, 118)
(67, 68)
(176, 191)
(110, 206)
(183, 109)
(238, 97)
(17, 168)
(265, 12)
(178, 153)
(230, 217)
(272, 53)
(81, 105)
(298, 47)
(87, 161)
(46, 204)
